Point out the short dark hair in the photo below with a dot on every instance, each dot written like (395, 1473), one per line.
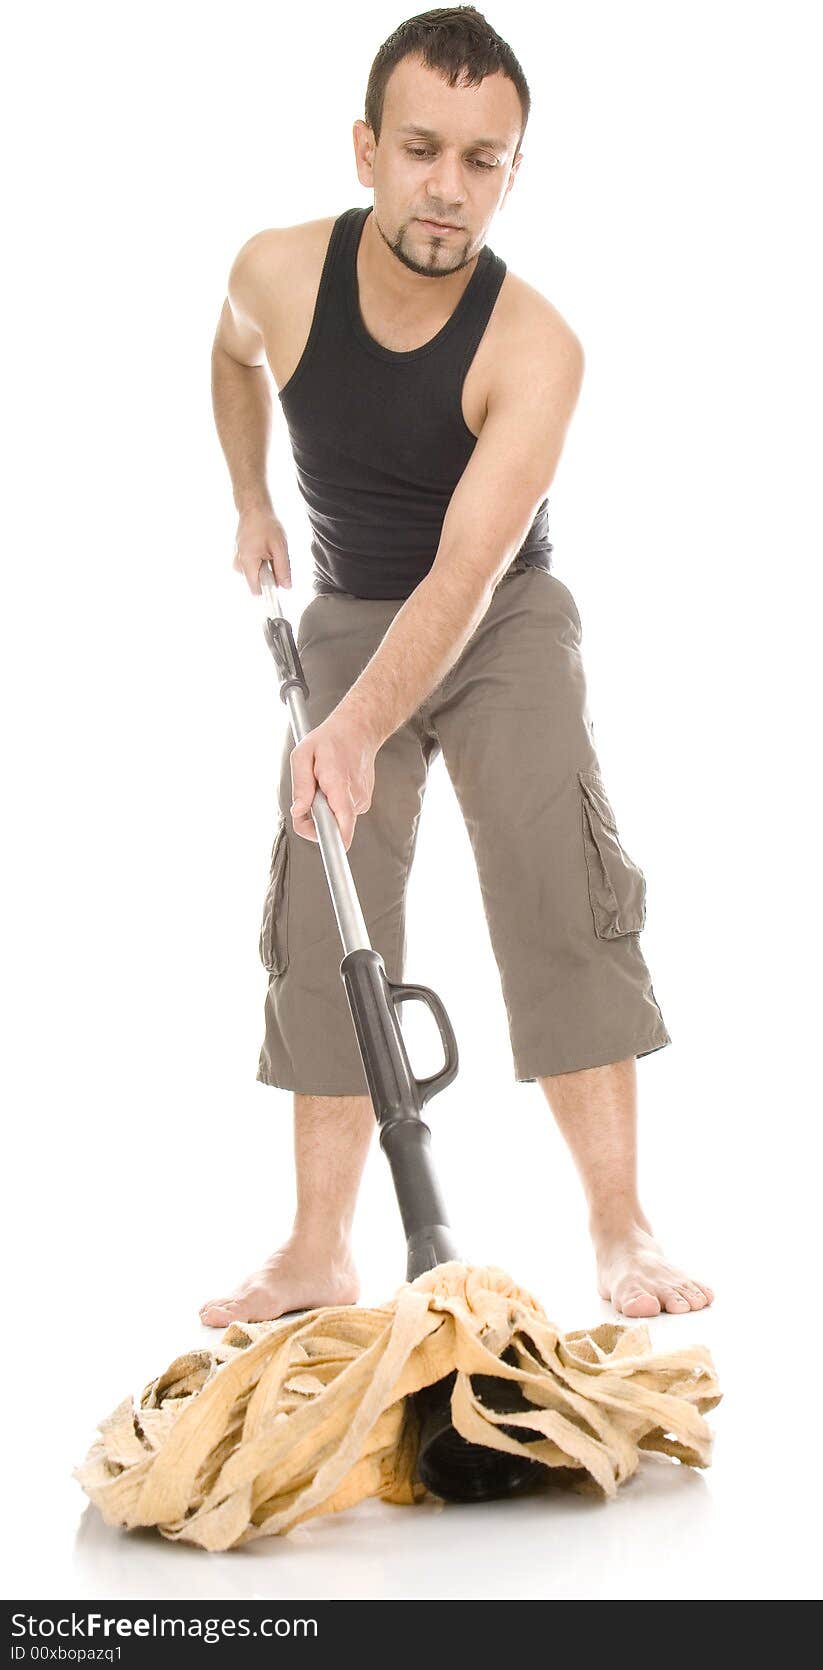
(457, 40)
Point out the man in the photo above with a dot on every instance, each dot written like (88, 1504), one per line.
(427, 393)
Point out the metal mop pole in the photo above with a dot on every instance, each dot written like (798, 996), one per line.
(397, 1095)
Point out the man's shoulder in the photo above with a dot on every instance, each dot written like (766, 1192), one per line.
(531, 348)
(274, 240)
(269, 252)
(529, 322)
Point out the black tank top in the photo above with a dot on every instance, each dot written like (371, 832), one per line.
(379, 438)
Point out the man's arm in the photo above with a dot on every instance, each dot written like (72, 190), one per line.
(241, 398)
(489, 515)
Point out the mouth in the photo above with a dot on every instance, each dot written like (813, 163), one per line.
(439, 226)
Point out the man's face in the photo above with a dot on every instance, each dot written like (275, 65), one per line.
(446, 154)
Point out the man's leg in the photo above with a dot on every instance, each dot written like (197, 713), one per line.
(564, 904)
(596, 1110)
(315, 1265)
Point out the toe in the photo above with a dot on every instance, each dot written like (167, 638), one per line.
(220, 1314)
(637, 1303)
(673, 1301)
(214, 1319)
(695, 1295)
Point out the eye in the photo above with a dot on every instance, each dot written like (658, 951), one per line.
(421, 154)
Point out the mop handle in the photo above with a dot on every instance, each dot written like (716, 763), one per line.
(293, 690)
(366, 967)
(397, 1094)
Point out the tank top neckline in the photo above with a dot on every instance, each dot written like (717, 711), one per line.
(403, 355)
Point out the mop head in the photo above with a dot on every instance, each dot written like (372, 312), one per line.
(309, 1415)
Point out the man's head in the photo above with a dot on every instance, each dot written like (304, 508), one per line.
(446, 109)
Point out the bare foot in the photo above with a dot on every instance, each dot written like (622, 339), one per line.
(295, 1278)
(635, 1277)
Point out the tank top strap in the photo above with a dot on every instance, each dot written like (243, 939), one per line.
(480, 302)
(331, 297)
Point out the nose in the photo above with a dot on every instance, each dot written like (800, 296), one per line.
(445, 185)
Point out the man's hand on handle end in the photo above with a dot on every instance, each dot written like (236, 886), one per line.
(261, 538)
(338, 755)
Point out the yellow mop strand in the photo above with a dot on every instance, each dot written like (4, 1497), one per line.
(309, 1415)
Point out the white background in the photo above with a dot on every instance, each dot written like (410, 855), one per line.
(667, 204)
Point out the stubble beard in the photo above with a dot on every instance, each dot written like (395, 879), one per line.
(427, 269)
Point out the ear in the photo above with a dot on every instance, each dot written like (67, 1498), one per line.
(364, 149)
(510, 181)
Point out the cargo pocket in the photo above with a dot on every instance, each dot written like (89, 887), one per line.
(273, 938)
(617, 887)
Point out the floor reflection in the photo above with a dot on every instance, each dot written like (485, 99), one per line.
(555, 1544)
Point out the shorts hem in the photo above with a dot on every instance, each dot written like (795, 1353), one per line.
(303, 1090)
(593, 1058)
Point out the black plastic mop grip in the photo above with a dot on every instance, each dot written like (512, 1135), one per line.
(397, 1097)
(395, 1090)
(436, 1081)
(280, 639)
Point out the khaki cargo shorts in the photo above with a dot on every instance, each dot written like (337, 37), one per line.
(563, 900)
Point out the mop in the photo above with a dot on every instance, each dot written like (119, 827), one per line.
(460, 1388)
